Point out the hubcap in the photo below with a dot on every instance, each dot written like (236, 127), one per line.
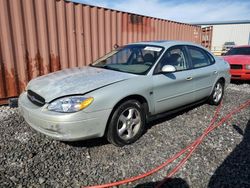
(217, 92)
(129, 123)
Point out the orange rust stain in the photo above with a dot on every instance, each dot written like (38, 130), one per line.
(39, 61)
(2, 85)
(55, 62)
(32, 66)
(10, 81)
(22, 86)
(35, 65)
(2, 88)
(28, 62)
(43, 68)
(3, 101)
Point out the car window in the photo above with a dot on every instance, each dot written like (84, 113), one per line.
(199, 57)
(174, 56)
(210, 57)
(122, 57)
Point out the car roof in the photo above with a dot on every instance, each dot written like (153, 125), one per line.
(242, 46)
(167, 43)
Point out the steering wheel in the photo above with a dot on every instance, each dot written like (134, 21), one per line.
(148, 63)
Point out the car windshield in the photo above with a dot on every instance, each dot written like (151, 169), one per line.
(239, 51)
(135, 59)
(229, 43)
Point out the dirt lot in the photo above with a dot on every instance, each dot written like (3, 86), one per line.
(29, 159)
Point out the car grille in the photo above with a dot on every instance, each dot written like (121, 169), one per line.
(35, 98)
(236, 76)
(236, 66)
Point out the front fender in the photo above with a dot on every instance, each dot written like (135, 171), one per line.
(107, 97)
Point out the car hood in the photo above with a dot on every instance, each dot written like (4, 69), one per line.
(74, 81)
(237, 59)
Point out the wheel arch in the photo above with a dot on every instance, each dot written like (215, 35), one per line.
(210, 99)
(137, 97)
(219, 78)
(222, 79)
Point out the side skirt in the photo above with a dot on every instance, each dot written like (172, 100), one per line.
(174, 111)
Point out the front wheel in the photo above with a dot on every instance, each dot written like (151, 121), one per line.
(217, 94)
(126, 124)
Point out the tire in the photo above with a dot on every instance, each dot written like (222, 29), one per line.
(217, 94)
(127, 123)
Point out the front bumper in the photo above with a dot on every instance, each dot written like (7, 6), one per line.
(63, 126)
(240, 74)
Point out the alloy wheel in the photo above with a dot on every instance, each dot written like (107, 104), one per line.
(129, 123)
(218, 91)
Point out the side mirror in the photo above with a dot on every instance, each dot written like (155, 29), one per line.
(116, 46)
(168, 69)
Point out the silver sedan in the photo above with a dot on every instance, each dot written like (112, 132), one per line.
(117, 95)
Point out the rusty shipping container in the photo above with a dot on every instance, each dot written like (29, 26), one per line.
(41, 36)
(206, 37)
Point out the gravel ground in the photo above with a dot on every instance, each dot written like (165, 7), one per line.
(29, 159)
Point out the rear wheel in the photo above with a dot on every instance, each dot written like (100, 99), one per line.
(217, 94)
(127, 123)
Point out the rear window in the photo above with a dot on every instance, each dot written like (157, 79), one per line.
(229, 43)
(239, 51)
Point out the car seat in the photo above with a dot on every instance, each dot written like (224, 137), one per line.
(148, 58)
(175, 60)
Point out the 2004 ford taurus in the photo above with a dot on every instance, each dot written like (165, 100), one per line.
(118, 94)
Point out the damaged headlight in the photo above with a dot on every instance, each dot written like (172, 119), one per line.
(248, 67)
(70, 104)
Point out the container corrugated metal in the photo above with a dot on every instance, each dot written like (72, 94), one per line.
(206, 37)
(40, 36)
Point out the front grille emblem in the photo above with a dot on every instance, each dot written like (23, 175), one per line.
(33, 97)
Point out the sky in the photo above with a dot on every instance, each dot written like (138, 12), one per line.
(191, 11)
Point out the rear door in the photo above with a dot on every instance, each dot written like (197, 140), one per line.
(172, 90)
(205, 71)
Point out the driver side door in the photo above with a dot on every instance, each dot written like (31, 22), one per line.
(172, 90)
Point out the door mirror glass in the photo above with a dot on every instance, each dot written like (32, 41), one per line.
(168, 69)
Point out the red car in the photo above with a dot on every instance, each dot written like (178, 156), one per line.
(239, 60)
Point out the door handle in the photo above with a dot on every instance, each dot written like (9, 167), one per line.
(215, 72)
(189, 78)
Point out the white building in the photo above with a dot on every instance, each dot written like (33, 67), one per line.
(230, 31)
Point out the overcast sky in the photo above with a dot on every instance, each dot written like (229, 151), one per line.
(181, 10)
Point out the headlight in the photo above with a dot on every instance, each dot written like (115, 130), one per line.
(70, 104)
(248, 67)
